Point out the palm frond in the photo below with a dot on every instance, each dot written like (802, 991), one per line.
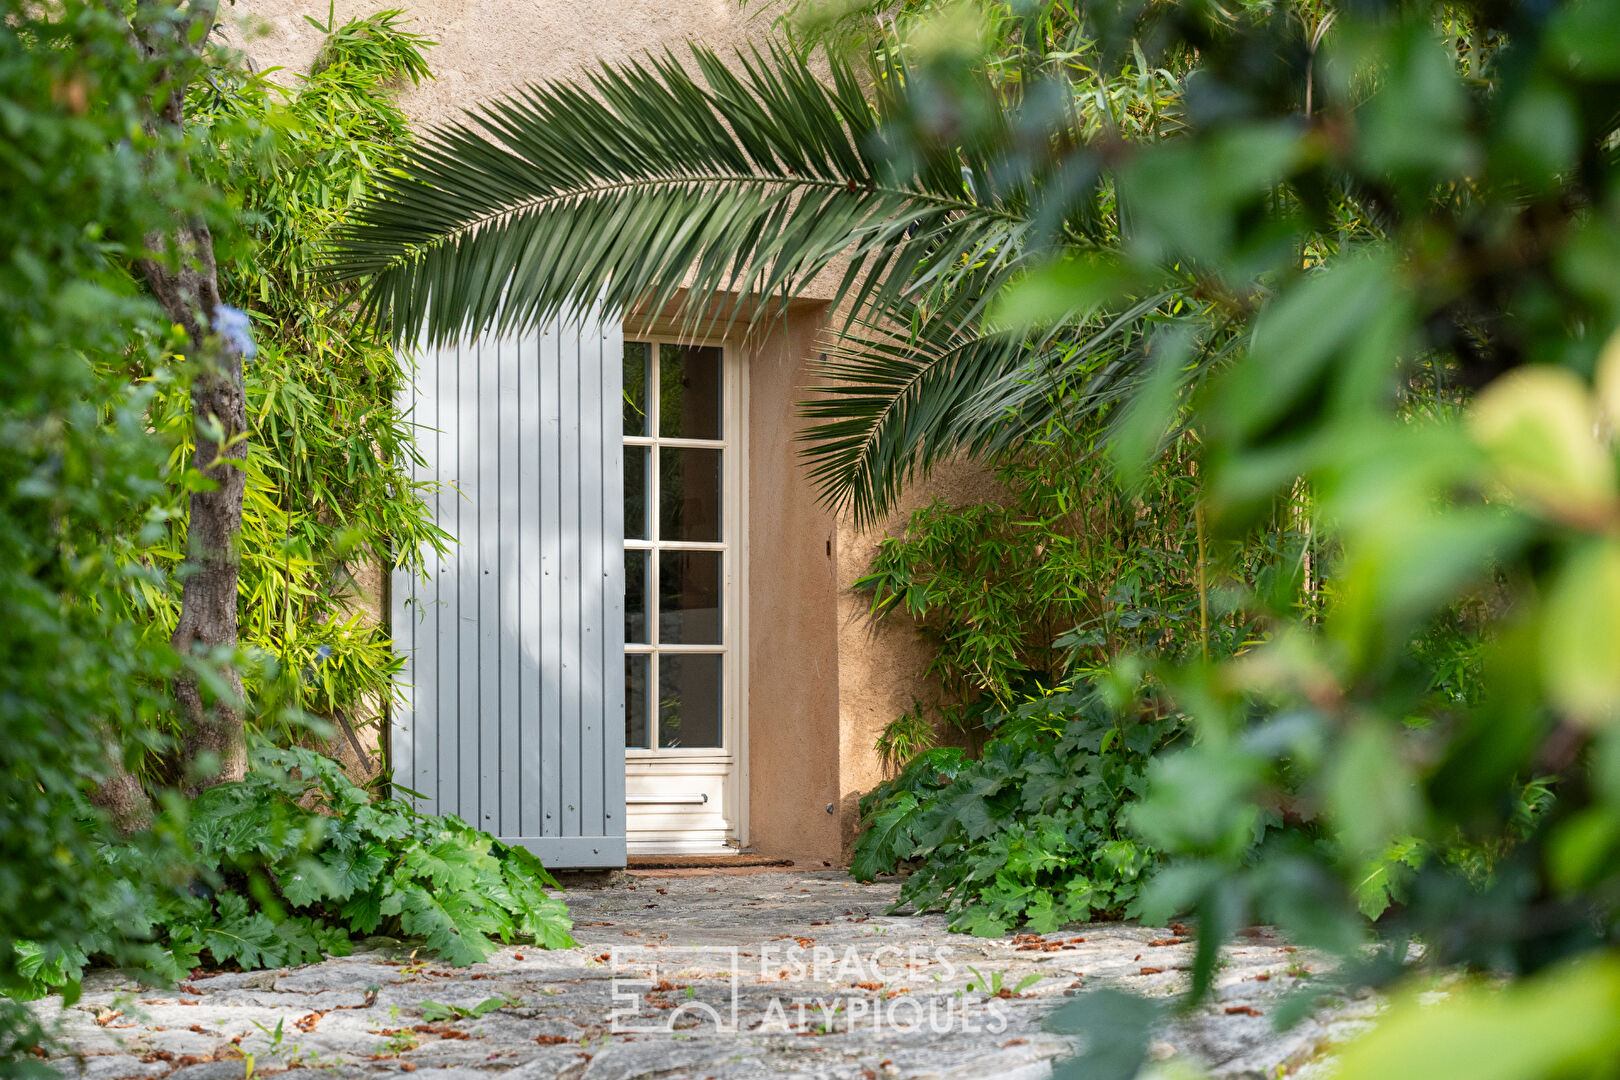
(654, 180)
(895, 399)
(898, 397)
(1083, 371)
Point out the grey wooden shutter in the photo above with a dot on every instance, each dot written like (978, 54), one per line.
(512, 710)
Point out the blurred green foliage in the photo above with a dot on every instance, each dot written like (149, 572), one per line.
(1391, 229)
(82, 183)
(1409, 222)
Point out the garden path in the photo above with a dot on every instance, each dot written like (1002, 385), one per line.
(825, 985)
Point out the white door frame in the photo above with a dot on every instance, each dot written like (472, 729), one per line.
(669, 792)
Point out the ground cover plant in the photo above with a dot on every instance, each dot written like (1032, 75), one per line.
(296, 862)
(1029, 833)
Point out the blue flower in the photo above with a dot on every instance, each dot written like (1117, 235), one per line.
(233, 325)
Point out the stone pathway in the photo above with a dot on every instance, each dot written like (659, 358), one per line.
(796, 974)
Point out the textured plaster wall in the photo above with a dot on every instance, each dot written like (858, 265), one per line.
(823, 679)
(881, 659)
(486, 47)
(796, 737)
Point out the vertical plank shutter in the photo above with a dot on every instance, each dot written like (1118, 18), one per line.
(511, 712)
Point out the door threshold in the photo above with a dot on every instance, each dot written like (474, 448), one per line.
(701, 862)
(671, 843)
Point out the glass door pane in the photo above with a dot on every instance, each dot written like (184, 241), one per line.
(689, 494)
(675, 555)
(636, 719)
(689, 700)
(689, 597)
(689, 379)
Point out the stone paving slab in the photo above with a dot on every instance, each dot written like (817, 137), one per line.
(791, 974)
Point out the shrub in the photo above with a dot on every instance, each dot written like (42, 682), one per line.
(1012, 594)
(294, 862)
(1031, 832)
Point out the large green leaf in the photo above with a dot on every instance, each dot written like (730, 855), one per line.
(459, 932)
(886, 840)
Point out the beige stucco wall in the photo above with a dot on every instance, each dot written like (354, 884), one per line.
(793, 668)
(882, 659)
(823, 679)
(486, 47)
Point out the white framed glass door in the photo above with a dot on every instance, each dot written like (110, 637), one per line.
(682, 488)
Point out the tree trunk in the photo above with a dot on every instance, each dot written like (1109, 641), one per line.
(186, 283)
(213, 749)
(121, 794)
